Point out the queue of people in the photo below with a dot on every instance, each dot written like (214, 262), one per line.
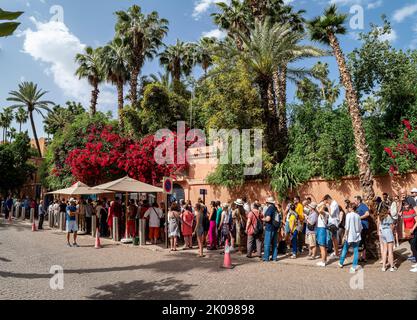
(322, 231)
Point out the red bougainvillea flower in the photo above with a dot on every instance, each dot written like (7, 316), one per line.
(407, 124)
(390, 153)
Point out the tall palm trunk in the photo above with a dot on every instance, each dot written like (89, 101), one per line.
(362, 151)
(35, 135)
(94, 98)
(280, 79)
(120, 102)
(265, 87)
(134, 86)
(20, 127)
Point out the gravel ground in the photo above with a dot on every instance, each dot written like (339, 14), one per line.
(127, 272)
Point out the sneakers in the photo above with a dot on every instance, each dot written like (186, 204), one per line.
(393, 269)
(334, 256)
(352, 270)
(383, 269)
(69, 245)
(340, 265)
(293, 256)
(414, 270)
(75, 245)
(320, 264)
(414, 266)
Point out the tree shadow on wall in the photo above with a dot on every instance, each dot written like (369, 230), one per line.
(165, 289)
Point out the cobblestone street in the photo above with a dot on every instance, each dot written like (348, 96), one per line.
(127, 272)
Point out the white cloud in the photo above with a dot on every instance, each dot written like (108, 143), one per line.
(55, 46)
(216, 33)
(374, 5)
(405, 12)
(201, 6)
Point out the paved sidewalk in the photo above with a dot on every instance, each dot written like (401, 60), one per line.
(126, 272)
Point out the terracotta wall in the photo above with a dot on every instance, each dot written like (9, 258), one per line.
(347, 188)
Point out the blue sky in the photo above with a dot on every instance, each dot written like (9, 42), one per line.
(42, 50)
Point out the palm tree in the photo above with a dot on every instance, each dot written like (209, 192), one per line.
(7, 28)
(6, 119)
(115, 69)
(178, 59)
(324, 29)
(21, 117)
(144, 34)
(29, 96)
(235, 18)
(162, 79)
(203, 53)
(90, 68)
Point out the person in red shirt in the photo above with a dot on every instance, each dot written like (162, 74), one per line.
(410, 230)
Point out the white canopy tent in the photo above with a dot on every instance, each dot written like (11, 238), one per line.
(78, 189)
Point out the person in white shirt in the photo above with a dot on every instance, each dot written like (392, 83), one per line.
(56, 213)
(353, 229)
(155, 214)
(246, 205)
(335, 217)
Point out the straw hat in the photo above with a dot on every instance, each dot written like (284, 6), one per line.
(312, 205)
(270, 200)
(239, 202)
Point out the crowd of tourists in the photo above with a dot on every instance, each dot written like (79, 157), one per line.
(321, 231)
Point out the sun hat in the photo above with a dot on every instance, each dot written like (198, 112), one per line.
(312, 205)
(239, 202)
(270, 200)
(72, 200)
(414, 190)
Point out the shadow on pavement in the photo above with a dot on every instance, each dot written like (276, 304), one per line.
(5, 260)
(166, 289)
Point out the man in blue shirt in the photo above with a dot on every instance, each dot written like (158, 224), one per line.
(271, 231)
(8, 206)
(363, 211)
(71, 217)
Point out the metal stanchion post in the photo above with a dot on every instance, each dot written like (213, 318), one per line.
(93, 226)
(142, 224)
(32, 215)
(23, 216)
(51, 219)
(115, 229)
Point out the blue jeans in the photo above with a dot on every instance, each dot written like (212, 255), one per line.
(271, 237)
(294, 242)
(355, 246)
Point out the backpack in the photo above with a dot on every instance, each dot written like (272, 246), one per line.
(277, 221)
(258, 228)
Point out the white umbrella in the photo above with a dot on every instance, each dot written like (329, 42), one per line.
(128, 185)
(79, 188)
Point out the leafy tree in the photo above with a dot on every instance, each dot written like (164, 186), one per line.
(21, 117)
(6, 119)
(29, 97)
(143, 34)
(325, 29)
(178, 59)
(116, 70)
(14, 166)
(7, 28)
(59, 117)
(91, 68)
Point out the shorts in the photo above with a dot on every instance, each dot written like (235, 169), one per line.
(321, 236)
(387, 236)
(71, 226)
(154, 232)
(311, 240)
